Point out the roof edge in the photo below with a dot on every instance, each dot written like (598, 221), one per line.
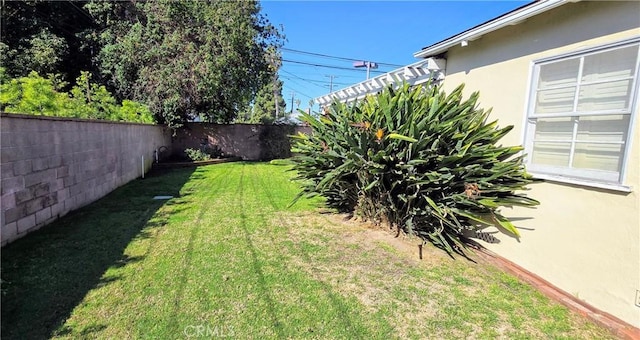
(513, 17)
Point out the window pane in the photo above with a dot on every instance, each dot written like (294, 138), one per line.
(605, 96)
(553, 129)
(556, 154)
(603, 128)
(555, 100)
(598, 156)
(610, 65)
(561, 73)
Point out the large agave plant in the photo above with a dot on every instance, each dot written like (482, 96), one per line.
(425, 162)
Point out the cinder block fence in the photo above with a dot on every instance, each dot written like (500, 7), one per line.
(50, 166)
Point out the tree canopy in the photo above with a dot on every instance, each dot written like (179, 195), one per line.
(262, 109)
(37, 95)
(45, 37)
(184, 59)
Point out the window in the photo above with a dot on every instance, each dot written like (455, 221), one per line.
(580, 114)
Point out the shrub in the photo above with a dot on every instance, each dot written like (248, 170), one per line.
(197, 155)
(425, 162)
(36, 95)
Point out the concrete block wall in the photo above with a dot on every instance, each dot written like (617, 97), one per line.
(249, 141)
(50, 166)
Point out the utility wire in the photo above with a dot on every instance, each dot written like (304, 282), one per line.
(300, 78)
(335, 57)
(83, 12)
(298, 92)
(299, 84)
(314, 81)
(330, 66)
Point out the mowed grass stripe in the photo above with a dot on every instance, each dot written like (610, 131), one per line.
(229, 257)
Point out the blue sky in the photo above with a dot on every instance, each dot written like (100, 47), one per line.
(379, 31)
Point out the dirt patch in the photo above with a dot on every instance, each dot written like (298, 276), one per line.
(384, 273)
(368, 263)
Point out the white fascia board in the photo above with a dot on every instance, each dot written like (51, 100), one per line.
(512, 18)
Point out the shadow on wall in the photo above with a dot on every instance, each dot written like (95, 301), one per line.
(248, 141)
(46, 275)
(275, 142)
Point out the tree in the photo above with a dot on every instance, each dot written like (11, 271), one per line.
(263, 108)
(186, 59)
(36, 95)
(45, 37)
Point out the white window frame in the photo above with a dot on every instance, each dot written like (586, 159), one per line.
(587, 177)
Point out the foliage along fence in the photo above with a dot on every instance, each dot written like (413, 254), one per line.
(40, 96)
(423, 161)
(250, 142)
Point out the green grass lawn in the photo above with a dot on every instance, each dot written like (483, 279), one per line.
(226, 257)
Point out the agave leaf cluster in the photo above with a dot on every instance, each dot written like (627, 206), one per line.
(426, 162)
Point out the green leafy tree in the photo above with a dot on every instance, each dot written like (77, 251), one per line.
(263, 108)
(36, 95)
(186, 59)
(45, 37)
(45, 52)
(93, 101)
(426, 162)
(31, 94)
(133, 112)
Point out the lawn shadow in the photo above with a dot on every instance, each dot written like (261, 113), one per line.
(46, 274)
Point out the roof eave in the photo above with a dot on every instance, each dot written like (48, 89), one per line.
(512, 18)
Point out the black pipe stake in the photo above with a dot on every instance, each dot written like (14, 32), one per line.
(420, 251)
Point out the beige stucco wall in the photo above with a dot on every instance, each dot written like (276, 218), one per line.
(584, 240)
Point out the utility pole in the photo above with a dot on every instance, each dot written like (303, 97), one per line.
(292, 96)
(368, 64)
(330, 82)
(275, 94)
(274, 63)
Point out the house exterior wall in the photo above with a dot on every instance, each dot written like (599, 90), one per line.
(50, 166)
(584, 240)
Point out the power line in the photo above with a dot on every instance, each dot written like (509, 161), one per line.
(297, 83)
(298, 92)
(314, 81)
(311, 74)
(83, 12)
(328, 66)
(335, 57)
(307, 80)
